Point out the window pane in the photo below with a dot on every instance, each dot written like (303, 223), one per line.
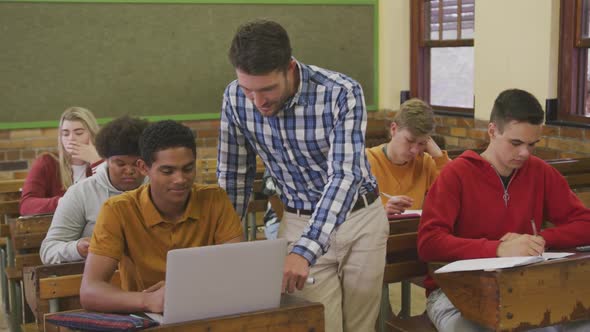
(585, 20)
(432, 19)
(451, 76)
(448, 15)
(467, 21)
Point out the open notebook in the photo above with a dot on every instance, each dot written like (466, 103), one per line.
(490, 264)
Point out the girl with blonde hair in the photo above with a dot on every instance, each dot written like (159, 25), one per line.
(50, 176)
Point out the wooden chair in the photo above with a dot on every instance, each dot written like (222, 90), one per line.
(26, 235)
(54, 287)
(9, 203)
(402, 265)
(11, 185)
(577, 174)
(257, 208)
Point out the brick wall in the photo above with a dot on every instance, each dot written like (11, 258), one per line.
(18, 148)
(465, 133)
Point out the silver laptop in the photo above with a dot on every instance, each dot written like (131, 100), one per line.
(212, 281)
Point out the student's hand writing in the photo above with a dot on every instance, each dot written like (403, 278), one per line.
(398, 204)
(154, 297)
(521, 245)
(82, 246)
(295, 272)
(85, 152)
(509, 236)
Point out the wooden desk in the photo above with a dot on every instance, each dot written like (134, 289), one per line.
(293, 315)
(524, 297)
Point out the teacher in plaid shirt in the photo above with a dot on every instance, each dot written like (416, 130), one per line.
(308, 126)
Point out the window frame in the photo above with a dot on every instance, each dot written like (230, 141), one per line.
(572, 67)
(420, 57)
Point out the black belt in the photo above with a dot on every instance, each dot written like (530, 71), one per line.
(360, 203)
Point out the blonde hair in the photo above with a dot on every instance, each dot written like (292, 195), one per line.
(88, 120)
(416, 116)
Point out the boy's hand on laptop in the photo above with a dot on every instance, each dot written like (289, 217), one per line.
(520, 245)
(154, 297)
(82, 246)
(295, 273)
(398, 204)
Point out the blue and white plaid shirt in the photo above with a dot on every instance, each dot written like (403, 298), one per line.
(314, 147)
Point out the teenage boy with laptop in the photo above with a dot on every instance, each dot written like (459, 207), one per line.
(135, 230)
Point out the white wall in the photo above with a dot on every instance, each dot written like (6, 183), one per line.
(516, 46)
(394, 51)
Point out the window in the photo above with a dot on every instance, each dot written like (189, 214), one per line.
(441, 56)
(574, 72)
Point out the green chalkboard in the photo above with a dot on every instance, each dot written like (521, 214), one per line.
(158, 59)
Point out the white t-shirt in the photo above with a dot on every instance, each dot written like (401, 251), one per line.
(79, 172)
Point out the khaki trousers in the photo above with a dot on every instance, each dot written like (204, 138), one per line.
(349, 277)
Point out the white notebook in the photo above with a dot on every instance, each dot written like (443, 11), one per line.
(490, 264)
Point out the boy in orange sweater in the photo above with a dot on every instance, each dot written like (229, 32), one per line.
(403, 170)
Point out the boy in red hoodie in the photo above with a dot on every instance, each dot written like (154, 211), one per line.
(482, 205)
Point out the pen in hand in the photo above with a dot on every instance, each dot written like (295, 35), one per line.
(386, 195)
(534, 228)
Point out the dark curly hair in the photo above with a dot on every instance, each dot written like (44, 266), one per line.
(260, 47)
(164, 135)
(120, 137)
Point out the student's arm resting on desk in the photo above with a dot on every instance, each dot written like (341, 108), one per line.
(97, 293)
(60, 244)
(236, 162)
(565, 210)
(106, 250)
(347, 152)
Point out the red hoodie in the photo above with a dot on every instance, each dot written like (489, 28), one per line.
(42, 188)
(467, 211)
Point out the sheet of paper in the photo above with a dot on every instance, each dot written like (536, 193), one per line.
(413, 212)
(556, 255)
(156, 317)
(488, 264)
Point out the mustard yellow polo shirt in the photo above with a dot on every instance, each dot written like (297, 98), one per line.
(130, 229)
(412, 179)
